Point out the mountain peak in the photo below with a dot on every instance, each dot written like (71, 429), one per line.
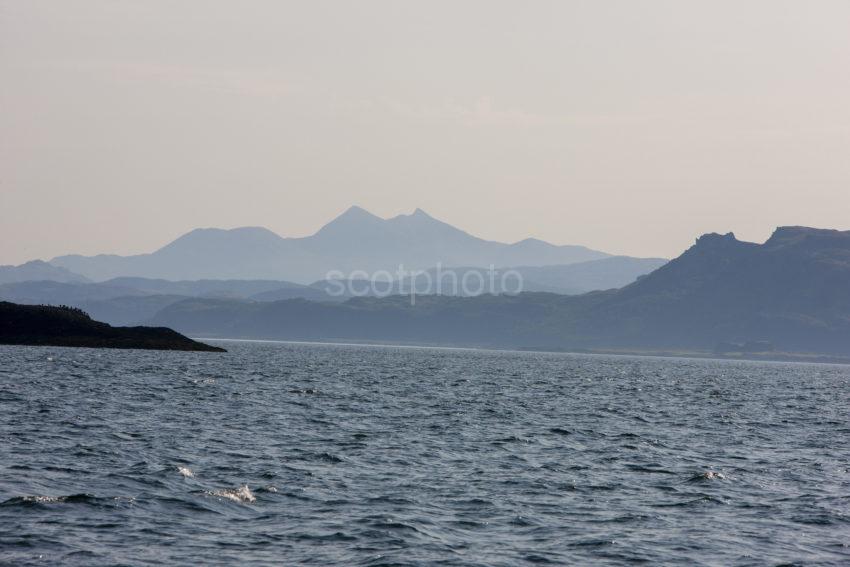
(32, 264)
(807, 237)
(210, 239)
(526, 242)
(353, 216)
(258, 230)
(356, 212)
(714, 238)
(35, 270)
(417, 214)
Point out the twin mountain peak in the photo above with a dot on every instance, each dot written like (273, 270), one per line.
(355, 240)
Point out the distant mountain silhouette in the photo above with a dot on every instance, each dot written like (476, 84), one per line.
(126, 301)
(356, 240)
(131, 300)
(582, 277)
(204, 288)
(38, 270)
(303, 292)
(790, 294)
(209, 253)
(59, 293)
(571, 279)
(65, 326)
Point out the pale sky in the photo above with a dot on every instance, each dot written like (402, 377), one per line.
(628, 126)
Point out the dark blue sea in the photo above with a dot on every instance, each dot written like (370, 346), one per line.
(299, 454)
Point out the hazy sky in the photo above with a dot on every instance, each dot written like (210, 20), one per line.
(628, 126)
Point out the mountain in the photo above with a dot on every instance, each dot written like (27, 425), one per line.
(125, 301)
(790, 294)
(570, 279)
(113, 303)
(127, 309)
(130, 300)
(206, 288)
(359, 240)
(581, 277)
(490, 320)
(303, 292)
(58, 293)
(69, 327)
(462, 281)
(38, 270)
(356, 240)
(792, 291)
(208, 253)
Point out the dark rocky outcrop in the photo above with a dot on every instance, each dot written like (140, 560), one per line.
(71, 327)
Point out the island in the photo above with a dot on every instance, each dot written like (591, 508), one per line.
(46, 325)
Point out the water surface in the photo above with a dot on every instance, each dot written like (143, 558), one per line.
(329, 454)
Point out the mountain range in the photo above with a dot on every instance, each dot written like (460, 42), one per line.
(355, 240)
(131, 300)
(258, 265)
(789, 294)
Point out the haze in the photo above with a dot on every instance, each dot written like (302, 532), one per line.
(629, 127)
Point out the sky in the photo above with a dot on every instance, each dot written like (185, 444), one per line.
(629, 127)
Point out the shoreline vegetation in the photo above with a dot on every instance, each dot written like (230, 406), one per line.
(63, 326)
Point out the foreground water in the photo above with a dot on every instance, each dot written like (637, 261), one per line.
(311, 454)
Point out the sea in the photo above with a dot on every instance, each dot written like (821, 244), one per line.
(310, 454)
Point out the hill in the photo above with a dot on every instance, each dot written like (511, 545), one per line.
(70, 327)
(582, 277)
(38, 270)
(126, 301)
(790, 294)
(793, 291)
(131, 300)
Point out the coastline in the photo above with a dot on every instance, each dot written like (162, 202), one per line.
(795, 358)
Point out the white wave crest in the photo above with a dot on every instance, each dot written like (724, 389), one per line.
(44, 499)
(241, 494)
